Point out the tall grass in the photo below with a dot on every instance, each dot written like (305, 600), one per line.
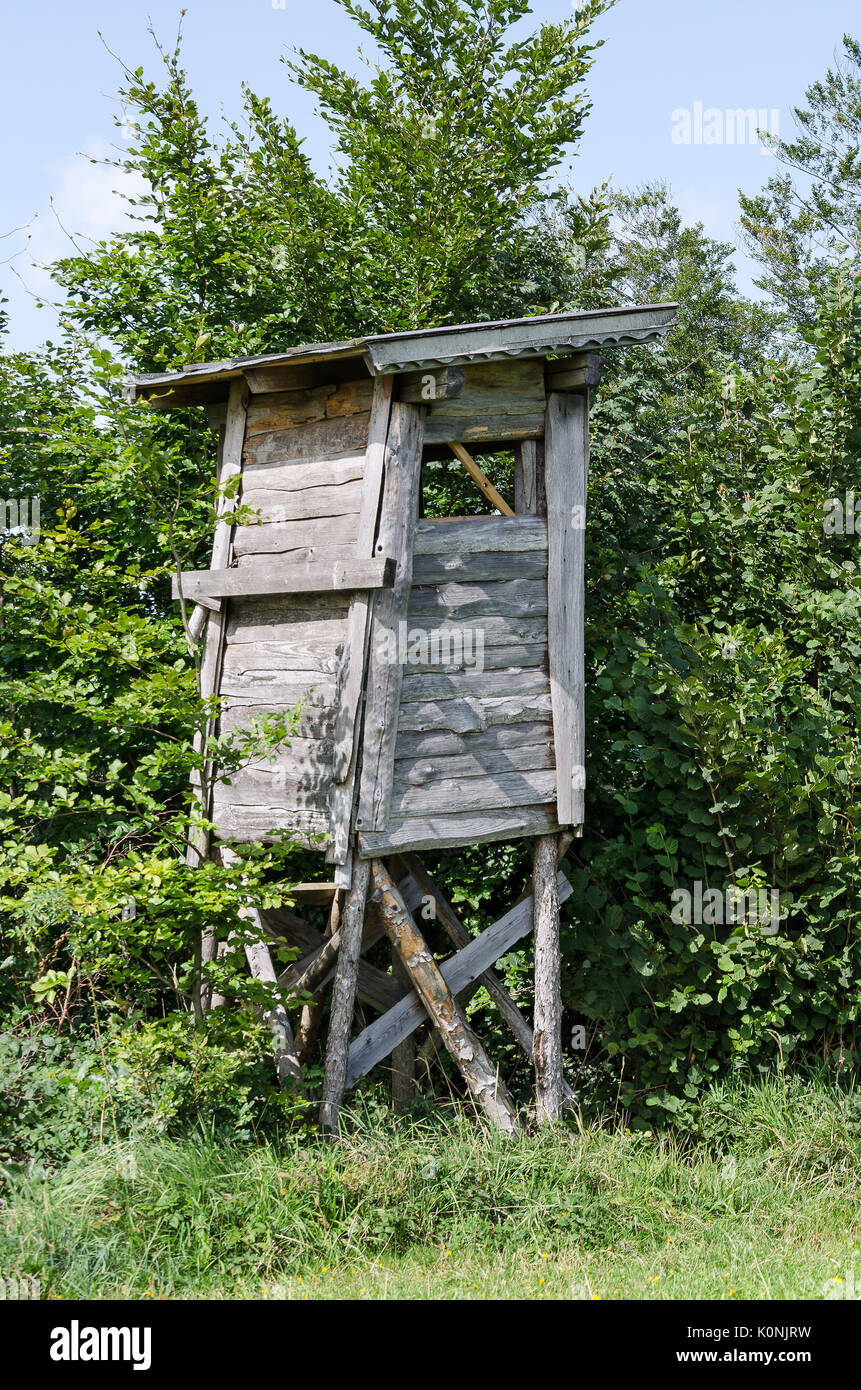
(775, 1172)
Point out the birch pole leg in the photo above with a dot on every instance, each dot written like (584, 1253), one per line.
(547, 1032)
(344, 995)
(479, 1073)
(404, 1055)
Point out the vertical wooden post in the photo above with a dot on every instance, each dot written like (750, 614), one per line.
(529, 499)
(344, 995)
(404, 1055)
(229, 465)
(547, 1023)
(566, 458)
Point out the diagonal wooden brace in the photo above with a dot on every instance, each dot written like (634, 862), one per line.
(479, 1073)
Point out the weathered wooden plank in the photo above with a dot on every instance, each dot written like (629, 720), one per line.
(307, 753)
(285, 788)
(256, 824)
(471, 534)
(518, 598)
(497, 631)
(421, 772)
(277, 538)
(573, 373)
(479, 569)
(470, 654)
(343, 499)
(477, 685)
(459, 828)
(435, 384)
(294, 476)
(273, 619)
(319, 439)
(529, 478)
(306, 655)
(400, 505)
(566, 467)
(275, 577)
(294, 375)
(344, 793)
(463, 716)
(281, 690)
(351, 398)
(482, 1078)
(315, 721)
(286, 409)
(500, 738)
(499, 400)
(344, 998)
(476, 793)
(377, 1041)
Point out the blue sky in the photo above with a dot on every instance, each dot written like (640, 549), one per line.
(660, 57)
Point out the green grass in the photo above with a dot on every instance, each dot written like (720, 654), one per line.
(765, 1204)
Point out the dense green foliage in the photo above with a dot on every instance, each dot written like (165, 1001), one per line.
(722, 629)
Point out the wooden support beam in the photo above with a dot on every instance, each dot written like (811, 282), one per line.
(344, 998)
(547, 1037)
(385, 673)
(273, 576)
(378, 1039)
(431, 384)
(529, 496)
(566, 470)
(482, 1078)
(575, 373)
(354, 659)
(404, 1055)
(481, 479)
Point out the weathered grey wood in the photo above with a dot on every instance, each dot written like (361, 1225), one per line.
(373, 987)
(528, 478)
(485, 743)
(481, 793)
(286, 789)
(478, 685)
(280, 537)
(519, 598)
(497, 631)
(280, 690)
(476, 534)
(420, 772)
(303, 655)
(400, 504)
(252, 824)
(440, 384)
(459, 828)
(493, 565)
(315, 721)
(468, 715)
(445, 656)
(314, 894)
(283, 409)
(209, 673)
(574, 373)
(319, 439)
(345, 789)
(377, 1040)
(260, 964)
(344, 998)
(547, 1035)
(482, 1078)
(566, 468)
(294, 475)
(271, 620)
(427, 887)
(292, 375)
(499, 400)
(276, 577)
(275, 505)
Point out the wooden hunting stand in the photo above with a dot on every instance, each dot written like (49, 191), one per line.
(440, 662)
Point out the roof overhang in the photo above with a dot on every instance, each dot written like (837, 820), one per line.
(547, 335)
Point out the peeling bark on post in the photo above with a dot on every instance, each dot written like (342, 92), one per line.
(482, 1078)
(547, 1032)
(404, 1055)
(344, 996)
